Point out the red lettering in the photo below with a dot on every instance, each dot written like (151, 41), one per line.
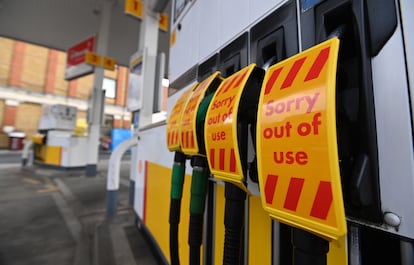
(267, 133)
(269, 108)
(304, 129)
(278, 131)
(290, 157)
(302, 104)
(301, 158)
(218, 136)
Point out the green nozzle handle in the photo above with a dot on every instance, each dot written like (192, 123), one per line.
(203, 107)
(177, 182)
(199, 183)
(178, 172)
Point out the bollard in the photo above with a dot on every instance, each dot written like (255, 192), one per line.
(26, 151)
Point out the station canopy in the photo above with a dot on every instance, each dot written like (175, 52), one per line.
(59, 24)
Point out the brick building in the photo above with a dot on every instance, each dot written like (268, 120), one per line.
(31, 76)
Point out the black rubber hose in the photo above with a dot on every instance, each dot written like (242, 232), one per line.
(308, 249)
(195, 237)
(177, 182)
(175, 210)
(234, 224)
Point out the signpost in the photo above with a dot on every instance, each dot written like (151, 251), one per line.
(134, 8)
(163, 22)
(76, 65)
(135, 83)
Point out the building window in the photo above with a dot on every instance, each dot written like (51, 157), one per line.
(109, 85)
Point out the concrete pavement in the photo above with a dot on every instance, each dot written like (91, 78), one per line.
(50, 216)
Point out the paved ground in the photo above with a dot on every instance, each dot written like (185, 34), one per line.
(50, 216)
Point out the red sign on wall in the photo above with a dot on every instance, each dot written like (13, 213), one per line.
(75, 62)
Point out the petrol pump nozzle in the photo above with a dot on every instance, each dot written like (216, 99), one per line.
(177, 182)
(199, 183)
(355, 108)
(231, 111)
(194, 117)
(178, 172)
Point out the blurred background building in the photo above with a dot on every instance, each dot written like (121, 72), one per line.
(32, 75)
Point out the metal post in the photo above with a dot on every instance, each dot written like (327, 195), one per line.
(98, 99)
(407, 252)
(354, 237)
(148, 42)
(133, 171)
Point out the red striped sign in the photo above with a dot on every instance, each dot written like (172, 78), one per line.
(313, 72)
(322, 196)
(221, 128)
(175, 119)
(172, 137)
(187, 140)
(323, 200)
(226, 159)
(296, 141)
(189, 120)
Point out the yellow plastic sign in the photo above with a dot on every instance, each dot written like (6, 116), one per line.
(189, 143)
(108, 63)
(173, 37)
(134, 8)
(296, 140)
(221, 129)
(163, 22)
(174, 120)
(93, 58)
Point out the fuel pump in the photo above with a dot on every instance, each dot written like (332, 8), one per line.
(233, 57)
(178, 171)
(356, 116)
(272, 40)
(370, 44)
(192, 138)
(328, 141)
(185, 137)
(205, 69)
(226, 137)
(297, 150)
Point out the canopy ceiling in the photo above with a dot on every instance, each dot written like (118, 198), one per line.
(59, 24)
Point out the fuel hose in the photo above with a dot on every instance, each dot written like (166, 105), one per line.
(177, 181)
(235, 196)
(199, 183)
(233, 224)
(308, 249)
